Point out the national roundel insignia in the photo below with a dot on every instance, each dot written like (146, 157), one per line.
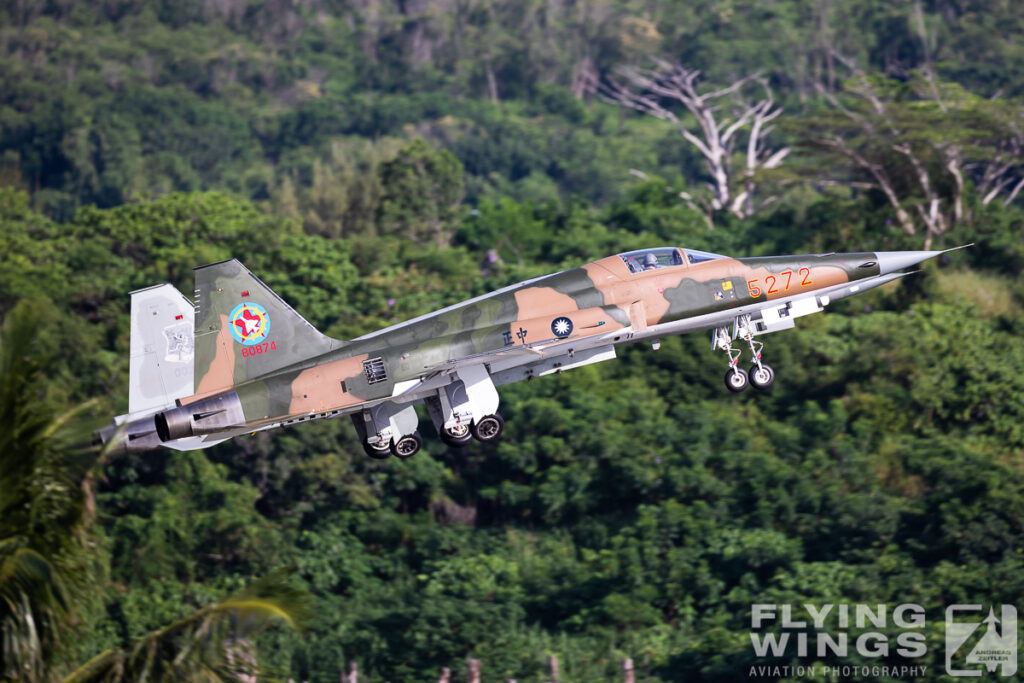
(249, 323)
(561, 327)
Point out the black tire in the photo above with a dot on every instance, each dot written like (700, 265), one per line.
(456, 441)
(488, 428)
(408, 446)
(763, 378)
(377, 453)
(736, 380)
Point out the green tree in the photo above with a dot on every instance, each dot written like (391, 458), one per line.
(47, 555)
(50, 564)
(214, 643)
(421, 190)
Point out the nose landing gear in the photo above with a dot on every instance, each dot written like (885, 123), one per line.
(760, 375)
(736, 379)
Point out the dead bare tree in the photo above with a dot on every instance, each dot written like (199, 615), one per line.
(657, 91)
(1003, 171)
(943, 134)
(883, 125)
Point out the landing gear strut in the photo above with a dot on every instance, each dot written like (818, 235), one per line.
(760, 375)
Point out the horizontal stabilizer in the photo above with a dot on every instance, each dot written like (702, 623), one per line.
(162, 348)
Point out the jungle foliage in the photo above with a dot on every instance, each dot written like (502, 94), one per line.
(371, 162)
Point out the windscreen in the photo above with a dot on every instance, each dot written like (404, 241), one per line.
(697, 256)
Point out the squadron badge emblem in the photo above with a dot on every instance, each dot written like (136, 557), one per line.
(249, 323)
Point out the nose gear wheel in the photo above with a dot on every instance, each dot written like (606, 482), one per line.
(761, 376)
(736, 379)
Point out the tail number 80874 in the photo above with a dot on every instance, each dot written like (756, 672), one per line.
(258, 349)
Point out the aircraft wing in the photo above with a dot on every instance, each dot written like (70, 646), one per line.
(554, 354)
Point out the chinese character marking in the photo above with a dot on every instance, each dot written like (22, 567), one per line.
(507, 337)
(521, 334)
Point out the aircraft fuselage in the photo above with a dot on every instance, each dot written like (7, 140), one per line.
(534, 327)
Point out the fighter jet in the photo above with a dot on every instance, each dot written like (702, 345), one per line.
(239, 359)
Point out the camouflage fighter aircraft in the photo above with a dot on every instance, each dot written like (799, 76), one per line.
(240, 360)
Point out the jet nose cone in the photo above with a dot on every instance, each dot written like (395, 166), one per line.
(891, 261)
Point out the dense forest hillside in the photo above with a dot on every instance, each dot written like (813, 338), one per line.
(373, 161)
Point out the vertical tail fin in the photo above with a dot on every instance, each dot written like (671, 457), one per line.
(162, 348)
(245, 330)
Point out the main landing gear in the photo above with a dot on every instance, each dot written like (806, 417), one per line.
(390, 428)
(466, 408)
(488, 428)
(737, 379)
(485, 430)
(456, 436)
(405, 447)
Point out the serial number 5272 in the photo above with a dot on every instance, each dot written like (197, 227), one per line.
(774, 282)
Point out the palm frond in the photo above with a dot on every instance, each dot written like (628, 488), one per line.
(45, 565)
(213, 643)
(33, 603)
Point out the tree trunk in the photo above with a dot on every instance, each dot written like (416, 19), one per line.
(472, 670)
(627, 671)
(492, 82)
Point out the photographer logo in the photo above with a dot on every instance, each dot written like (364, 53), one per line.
(976, 643)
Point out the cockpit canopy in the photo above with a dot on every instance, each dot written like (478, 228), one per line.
(698, 256)
(664, 257)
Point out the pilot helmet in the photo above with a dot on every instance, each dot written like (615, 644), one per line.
(651, 261)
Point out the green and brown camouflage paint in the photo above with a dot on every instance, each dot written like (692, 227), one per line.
(308, 373)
